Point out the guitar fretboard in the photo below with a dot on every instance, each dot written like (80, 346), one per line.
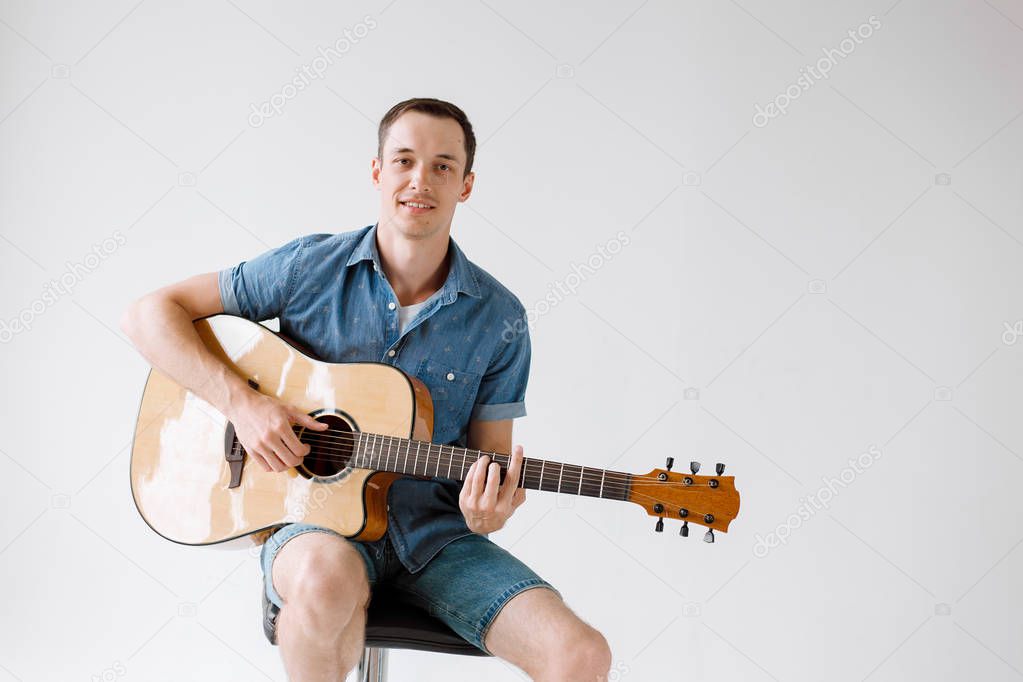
(419, 458)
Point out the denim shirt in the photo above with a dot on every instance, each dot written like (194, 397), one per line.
(469, 345)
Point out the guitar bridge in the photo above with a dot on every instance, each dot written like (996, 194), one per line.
(234, 455)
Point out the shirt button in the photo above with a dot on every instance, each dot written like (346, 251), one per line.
(451, 376)
(391, 306)
(391, 353)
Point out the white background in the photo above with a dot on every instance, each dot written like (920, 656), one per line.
(846, 276)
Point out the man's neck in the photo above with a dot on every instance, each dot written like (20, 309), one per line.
(415, 268)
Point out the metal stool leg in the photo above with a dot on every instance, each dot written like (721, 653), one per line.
(373, 665)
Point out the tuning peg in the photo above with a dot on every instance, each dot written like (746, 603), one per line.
(709, 537)
(694, 467)
(684, 531)
(671, 460)
(720, 468)
(660, 525)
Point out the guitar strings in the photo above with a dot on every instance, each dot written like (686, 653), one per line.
(439, 457)
(359, 438)
(429, 458)
(620, 485)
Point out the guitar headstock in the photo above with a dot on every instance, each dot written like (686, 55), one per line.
(710, 501)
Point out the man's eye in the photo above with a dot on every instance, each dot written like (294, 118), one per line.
(444, 166)
(400, 160)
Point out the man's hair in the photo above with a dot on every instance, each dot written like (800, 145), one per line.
(433, 107)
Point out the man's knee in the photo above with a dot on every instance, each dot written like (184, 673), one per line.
(584, 653)
(321, 572)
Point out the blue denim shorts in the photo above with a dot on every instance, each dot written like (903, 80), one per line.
(465, 585)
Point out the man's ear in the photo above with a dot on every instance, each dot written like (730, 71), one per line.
(374, 172)
(467, 183)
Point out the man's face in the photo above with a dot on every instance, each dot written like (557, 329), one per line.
(423, 162)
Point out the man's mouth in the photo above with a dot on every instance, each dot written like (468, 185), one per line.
(415, 207)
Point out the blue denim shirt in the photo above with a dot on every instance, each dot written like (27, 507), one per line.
(469, 345)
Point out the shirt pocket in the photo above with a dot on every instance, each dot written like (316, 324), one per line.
(453, 391)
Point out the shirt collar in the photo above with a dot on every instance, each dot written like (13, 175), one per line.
(460, 276)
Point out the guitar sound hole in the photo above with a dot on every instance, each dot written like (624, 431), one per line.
(331, 449)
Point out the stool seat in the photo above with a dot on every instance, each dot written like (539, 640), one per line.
(394, 623)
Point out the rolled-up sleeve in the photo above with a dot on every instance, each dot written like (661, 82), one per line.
(502, 391)
(259, 289)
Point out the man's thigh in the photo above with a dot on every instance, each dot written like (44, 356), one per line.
(530, 629)
(469, 583)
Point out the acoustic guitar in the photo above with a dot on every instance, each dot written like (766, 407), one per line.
(193, 483)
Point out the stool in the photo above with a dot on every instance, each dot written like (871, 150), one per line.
(391, 623)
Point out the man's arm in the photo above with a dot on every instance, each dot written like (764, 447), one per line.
(161, 326)
(490, 436)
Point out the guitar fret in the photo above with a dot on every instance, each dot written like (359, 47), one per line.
(374, 451)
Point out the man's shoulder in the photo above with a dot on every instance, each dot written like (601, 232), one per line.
(494, 292)
(339, 242)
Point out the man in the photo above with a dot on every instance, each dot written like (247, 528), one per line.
(399, 292)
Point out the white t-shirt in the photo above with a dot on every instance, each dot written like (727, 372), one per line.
(407, 312)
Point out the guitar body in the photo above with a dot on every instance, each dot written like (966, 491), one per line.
(181, 476)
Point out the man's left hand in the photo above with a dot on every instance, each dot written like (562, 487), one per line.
(486, 503)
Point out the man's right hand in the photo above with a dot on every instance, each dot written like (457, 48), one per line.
(263, 426)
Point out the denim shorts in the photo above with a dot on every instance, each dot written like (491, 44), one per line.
(465, 585)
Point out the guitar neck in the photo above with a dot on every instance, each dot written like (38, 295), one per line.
(419, 458)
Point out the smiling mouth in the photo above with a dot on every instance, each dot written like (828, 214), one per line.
(416, 208)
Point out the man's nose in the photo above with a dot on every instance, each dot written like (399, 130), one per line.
(420, 177)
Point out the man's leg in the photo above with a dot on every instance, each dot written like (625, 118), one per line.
(494, 600)
(536, 631)
(322, 581)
